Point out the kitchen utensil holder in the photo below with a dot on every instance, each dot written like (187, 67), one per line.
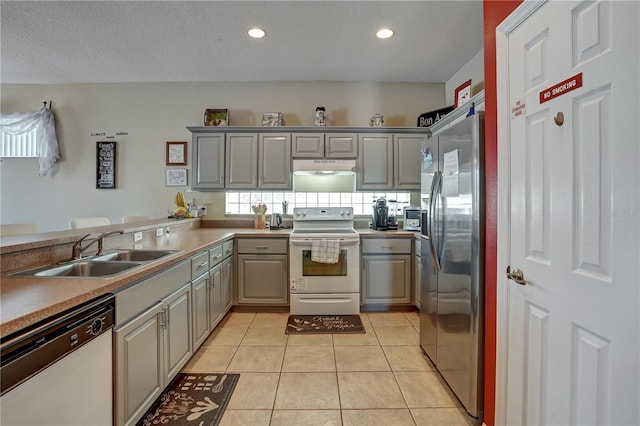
(258, 221)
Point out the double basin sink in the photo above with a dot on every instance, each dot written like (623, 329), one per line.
(103, 266)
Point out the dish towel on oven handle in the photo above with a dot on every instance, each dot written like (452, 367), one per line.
(325, 251)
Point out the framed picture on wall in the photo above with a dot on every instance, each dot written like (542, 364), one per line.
(176, 153)
(462, 94)
(176, 177)
(106, 165)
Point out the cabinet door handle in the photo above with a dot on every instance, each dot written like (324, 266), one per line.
(163, 318)
(218, 255)
(203, 264)
(261, 247)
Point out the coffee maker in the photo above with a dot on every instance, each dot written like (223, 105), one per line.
(380, 215)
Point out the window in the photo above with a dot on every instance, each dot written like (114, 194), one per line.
(22, 145)
(30, 134)
(241, 202)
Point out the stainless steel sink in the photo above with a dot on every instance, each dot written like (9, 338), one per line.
(134, 255)
(80, 269)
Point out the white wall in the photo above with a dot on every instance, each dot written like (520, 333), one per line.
(474, 70)
(153, 113)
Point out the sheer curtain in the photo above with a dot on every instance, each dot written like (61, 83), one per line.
(42, 121)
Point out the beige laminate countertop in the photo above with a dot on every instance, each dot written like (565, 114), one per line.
(25, 301)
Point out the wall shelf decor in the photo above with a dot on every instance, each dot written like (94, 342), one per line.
(216, 117)
(462, 94)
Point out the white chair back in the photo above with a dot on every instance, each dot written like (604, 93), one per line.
(9, 229)
(88, 222)
(134, 218)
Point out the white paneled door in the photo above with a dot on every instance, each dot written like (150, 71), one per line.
(574, 233)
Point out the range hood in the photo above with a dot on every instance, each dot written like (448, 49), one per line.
(324, 175)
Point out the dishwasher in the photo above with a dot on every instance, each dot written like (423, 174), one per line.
(59, 371)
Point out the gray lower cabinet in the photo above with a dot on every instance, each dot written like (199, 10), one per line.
(417, 271)
(212, 291)
(262, 271)
(386, 271)
(200, 289)
(226, 284)
(153, 340)
(215, 309)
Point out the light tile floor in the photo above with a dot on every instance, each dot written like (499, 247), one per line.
(378, 378)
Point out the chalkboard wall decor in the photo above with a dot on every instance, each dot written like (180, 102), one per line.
(106, 165)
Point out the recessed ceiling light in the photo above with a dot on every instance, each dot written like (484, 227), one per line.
(256, 33)
(385, 33)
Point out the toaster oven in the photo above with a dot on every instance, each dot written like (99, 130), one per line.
(411, 218)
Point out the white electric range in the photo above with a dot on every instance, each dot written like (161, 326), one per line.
(324, 288)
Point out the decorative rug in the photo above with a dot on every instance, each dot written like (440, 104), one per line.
(197, 399)
(324, 324)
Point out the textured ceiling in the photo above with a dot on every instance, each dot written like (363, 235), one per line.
(157, 41)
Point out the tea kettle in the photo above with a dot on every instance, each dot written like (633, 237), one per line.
(276, 221)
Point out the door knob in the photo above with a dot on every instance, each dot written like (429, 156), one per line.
(517, 275)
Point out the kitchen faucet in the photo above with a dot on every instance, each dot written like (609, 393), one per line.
(78, 249)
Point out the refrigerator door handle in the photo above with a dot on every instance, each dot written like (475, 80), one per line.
(440, 249)
(432, 209)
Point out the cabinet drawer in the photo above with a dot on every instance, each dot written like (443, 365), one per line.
(145, 293)
(386, 245)
(199, 264)
(262, 245)
(227, 249)
(215, 256)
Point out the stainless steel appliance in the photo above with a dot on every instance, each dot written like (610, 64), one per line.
(276, 221)
(60, 371)
(452, 283)
(380, 215)
(324, 288)
(411, 218)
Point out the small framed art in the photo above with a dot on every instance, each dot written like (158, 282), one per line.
(176, 153)
(176, 177)
(462, 94)
(216, 117)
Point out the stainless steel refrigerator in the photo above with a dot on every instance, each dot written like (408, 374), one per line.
(452, 283)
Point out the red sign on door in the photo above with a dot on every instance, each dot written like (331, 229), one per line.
(561, 88)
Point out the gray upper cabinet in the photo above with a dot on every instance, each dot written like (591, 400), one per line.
(375, 162)
(274, 161)
(325, 145)
(208, 161)
(307, 145)
(341, 145)
(407, 161)
(241, 168)
(247, 158)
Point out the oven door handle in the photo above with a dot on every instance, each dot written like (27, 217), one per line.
(307, 242)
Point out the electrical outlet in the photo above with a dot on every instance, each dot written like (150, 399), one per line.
(159, 232)
(137, 236)
(202, 210)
